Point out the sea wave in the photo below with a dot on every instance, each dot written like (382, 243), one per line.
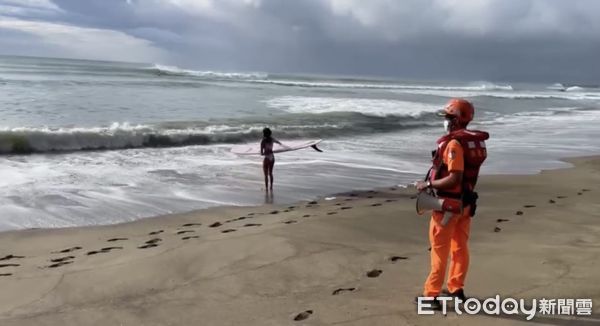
(297, 81)
(372, 107)
(556, 87)
(575, 89)
(514, 95)
(176, 71)
(362, 85)
(27, 140)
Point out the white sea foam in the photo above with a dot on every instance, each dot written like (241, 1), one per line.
(176, 71)
(480, 86)
(373, 107)
(572, 95)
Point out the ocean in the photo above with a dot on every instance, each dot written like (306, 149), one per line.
(91, 142)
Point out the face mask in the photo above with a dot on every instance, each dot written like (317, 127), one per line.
(447, 125)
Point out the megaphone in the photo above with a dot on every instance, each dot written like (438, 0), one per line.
(427, 202)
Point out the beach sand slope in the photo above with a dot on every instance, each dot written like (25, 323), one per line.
(359, 259)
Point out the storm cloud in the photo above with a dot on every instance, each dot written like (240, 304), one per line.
(513, 40)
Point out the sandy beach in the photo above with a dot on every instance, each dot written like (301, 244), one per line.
(358, 259)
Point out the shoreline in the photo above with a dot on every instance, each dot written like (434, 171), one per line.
(570, 161)
(358, 259)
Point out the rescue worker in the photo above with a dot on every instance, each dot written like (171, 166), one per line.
(456, 163)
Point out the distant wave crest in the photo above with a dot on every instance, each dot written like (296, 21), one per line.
(176, 71)
(263, 78)
(483, 86)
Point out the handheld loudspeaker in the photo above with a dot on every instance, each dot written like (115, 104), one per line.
(427, 202)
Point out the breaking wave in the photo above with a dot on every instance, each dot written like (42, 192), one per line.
(176, 71)
(25, 140)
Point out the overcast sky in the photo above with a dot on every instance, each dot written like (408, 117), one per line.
(512, 40)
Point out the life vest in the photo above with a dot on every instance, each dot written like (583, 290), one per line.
(474, 151)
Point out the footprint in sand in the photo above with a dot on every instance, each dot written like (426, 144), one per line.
(561, 197)
(191, 224)
(102, 251)
(303, 315)
(528, 206)
(376, 204)
(228, 230)
(185, 231)
(307, 215)
(67, 250)
(338, 204)
(149, 245)
(519, 213)
(156, 232)
(551, 201)
(274, 212)
(374, 273)
(584, 190)
(190, 237)
(497, 229)
(390, 200)
(5, 274)
(579, 193)
(250, 214)
(252, 224)
(11, 256)
(394, 259)
(340, 290)
(312, 202)
(240, 218)
(500, 220)
(116, 239)
(153, 241)
(62, 263)
(61, 259)
(291, 207)
(214, 225)
(346, 207)
(331, 213)
(9, 265)
(108, 249)
(369, 197)
(290, 222)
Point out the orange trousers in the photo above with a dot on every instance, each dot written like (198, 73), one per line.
(450, 240)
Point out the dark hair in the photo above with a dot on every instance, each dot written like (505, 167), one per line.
(267, 133)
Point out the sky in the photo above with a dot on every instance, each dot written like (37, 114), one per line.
(504, 40)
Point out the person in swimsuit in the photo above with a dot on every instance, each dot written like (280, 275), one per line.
(266, 149)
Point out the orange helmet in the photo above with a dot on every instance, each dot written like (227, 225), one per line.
(462, 109)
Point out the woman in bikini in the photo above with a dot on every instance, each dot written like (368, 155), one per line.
(266, 149)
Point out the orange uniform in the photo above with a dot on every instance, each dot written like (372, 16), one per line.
(450, 239)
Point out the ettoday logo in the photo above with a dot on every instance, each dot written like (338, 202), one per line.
(507, 306)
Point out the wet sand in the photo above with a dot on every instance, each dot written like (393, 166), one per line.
(358, 259)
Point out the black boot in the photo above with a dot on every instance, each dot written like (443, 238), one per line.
(456, 294)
